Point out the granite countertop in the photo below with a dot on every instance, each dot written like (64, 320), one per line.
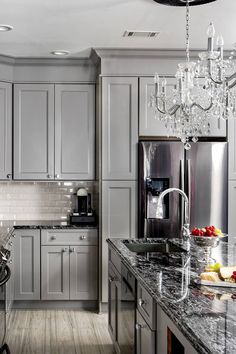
(43, 224)
(205, 315)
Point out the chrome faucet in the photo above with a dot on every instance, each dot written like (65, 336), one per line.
(159, 214)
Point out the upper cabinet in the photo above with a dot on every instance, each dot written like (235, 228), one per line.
(119, 128)
(52, 144)
(5, 130)
(150, 126)
(74, 132)
(33, 131)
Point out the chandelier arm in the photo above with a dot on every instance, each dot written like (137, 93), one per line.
(218, 82)
(202, 108)
(171, 111)
(230, 78)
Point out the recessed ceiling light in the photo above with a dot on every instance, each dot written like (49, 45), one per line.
(5, 28)
(60, 52)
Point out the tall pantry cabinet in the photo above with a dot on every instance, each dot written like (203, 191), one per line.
(119, 136)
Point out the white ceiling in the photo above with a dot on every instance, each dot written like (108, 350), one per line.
(41, 26)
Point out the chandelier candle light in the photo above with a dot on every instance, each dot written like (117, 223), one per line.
(203, 91)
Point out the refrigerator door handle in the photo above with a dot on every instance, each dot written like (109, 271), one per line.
(189, 185)
(183, 188)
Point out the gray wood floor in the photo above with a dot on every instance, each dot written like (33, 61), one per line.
(58, 332)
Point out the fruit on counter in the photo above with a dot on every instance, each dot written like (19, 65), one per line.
(213, 267)
(208, 231)
(210, 276)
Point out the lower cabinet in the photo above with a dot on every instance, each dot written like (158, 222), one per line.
(27, 264)
(113, 304)
(169, 339)
(145, 337)
(69, 273)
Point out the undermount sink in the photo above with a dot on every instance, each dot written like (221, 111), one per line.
(165, 247)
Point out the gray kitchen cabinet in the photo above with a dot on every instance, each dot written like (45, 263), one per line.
(169, 338)
(119, 213)
(75, 253)
(231, 209)
(55, 266)
(83, 273)
(27, 264)
(119, 128)
(113, 304)
(33, 131)
(232, 148)
(150, 126)
(74, 132)
(145, 337)
(5, 130)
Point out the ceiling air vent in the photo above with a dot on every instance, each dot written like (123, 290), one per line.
(141, 34)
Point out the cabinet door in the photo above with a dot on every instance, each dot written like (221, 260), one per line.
(5, 130)
(231, 208)
(83, 273)
(232, 148)
(169, 338)
(119, 128)
(148, 124)
(27, 264)
(145, 337)
(55, 273)
(119, 218)
(113, 305)
(75, 132)
(33, 131)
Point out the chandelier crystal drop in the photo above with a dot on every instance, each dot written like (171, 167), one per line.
(204, 91)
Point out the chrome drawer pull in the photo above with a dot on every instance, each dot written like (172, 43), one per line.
(83, 237)
(72, 250)
(65, 249)
(53, 238)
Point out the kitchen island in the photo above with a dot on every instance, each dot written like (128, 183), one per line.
(204, 316)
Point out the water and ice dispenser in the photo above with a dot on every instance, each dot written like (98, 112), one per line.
(154, 187)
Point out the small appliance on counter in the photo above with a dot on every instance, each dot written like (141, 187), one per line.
(83, 214)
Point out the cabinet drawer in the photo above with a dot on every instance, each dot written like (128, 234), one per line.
(69, 237)
(146, 306)
(145, 337)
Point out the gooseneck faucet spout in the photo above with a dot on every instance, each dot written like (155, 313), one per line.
(159, 213)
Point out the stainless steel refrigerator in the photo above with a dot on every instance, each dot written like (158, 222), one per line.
(201, 172)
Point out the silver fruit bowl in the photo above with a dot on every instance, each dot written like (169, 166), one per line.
(207, 243)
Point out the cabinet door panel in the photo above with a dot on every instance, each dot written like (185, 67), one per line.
(33, 131)
(5, 130)
(55, 273)
(231, 209)
(148, 124)
(232, 148)
(83, 273)
(120, 128)
(145, 337)
(27, 265)
(75, 132)
(119, 203)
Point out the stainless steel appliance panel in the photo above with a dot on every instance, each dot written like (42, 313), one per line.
(206, 178)
(160, 161)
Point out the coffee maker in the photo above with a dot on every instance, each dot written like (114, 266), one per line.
(83, 214)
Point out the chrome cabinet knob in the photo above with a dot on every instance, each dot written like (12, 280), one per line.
(72, 250)
(57, 176)
(49, 176)
(141, 302)
(65, 249)
(9, 175)
(83, 237)
(10, 261)
(53, 238)
(10, 243)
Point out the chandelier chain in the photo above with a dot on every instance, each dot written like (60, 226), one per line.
(187, 31)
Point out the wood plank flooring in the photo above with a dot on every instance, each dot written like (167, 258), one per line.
(58, 332)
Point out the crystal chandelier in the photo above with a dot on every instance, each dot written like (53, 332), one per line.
(203, 91)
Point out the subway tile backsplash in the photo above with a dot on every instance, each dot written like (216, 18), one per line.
(41, 200)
